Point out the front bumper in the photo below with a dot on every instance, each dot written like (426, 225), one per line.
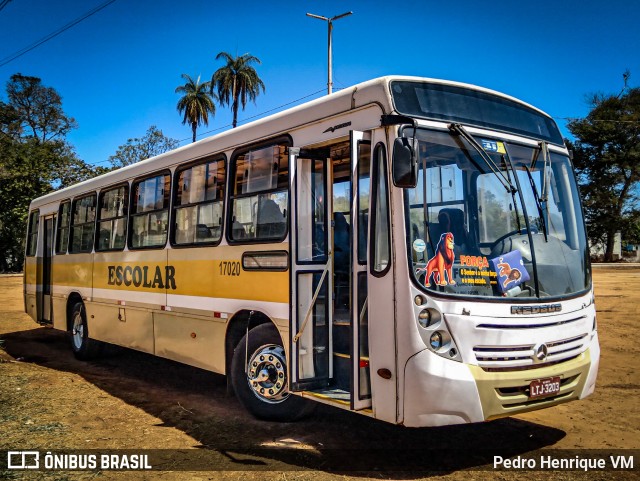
(439, 392)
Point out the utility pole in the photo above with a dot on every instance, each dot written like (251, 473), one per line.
(330, 25)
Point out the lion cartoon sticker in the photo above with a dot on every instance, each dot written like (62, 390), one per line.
(441, 262)
(510, 270)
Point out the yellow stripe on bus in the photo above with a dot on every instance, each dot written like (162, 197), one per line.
(30, 270)
(189, 278)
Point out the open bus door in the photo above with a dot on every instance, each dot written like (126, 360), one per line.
(311, 272)
(360, 151)
(329, 316)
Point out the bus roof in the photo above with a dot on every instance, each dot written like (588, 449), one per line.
(356, 96)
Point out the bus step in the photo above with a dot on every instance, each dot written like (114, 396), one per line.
(332, 394)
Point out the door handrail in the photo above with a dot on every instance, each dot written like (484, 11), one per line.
(313, 300)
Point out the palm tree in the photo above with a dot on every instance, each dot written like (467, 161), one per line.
(196, 103)
(237, 81)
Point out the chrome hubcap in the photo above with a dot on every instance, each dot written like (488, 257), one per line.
(266, 374)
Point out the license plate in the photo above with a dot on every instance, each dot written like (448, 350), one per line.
(544, 387)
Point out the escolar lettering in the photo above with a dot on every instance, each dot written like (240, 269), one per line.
(142, 276)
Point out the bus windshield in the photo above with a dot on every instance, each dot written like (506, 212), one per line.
(514, 232)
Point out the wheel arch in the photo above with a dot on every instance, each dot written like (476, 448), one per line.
(73, 298)
(236, 328)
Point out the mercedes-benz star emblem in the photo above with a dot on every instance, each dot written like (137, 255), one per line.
(541, 351)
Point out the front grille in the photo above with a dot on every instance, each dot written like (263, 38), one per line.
(506, 357)
(525, 368)
(533, 402)
(536, 325)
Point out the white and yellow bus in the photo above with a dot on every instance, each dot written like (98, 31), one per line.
(410, 249)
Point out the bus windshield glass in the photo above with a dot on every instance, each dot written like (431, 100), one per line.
(471, 234)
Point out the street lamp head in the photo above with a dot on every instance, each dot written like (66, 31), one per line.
(317, 16)
(342, 15)
(337, 17)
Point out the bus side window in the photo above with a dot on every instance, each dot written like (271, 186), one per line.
(62, 237)
(260, 195)
(199, 195)
(32, 233)
(112, 218)
(381, 236)
(150, 212)
(83, 226)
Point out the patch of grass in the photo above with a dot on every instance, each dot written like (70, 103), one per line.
(49, 427)
(9, 474)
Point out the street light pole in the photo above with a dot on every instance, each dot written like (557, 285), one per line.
(330, 30)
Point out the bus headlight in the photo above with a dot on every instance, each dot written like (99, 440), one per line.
(435, 341)
(424, 318)
(429, 317)
(433, 329)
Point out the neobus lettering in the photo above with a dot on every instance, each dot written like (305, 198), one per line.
(141, 277)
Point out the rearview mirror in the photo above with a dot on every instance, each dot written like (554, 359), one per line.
(404, 165)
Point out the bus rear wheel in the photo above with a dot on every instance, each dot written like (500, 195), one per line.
(263, 387)
(83, 348)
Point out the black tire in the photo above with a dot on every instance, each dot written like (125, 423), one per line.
(83, 348)
(275, 403)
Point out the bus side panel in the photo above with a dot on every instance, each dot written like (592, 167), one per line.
(130, 327)
(195, 341)
(211, 286)
(128, 288)
(382, 328)
(190, 333)
(69, 273)
(213, 280)
(31, 282)
(59, 307)
(59, 293)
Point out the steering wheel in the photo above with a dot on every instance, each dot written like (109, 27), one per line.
(534, 230)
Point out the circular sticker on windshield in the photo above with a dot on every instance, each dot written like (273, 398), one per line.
(419, 246)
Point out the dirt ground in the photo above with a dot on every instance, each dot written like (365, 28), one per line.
(130, 400)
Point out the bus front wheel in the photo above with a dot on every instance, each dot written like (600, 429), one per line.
(262, 388)
(83, 348)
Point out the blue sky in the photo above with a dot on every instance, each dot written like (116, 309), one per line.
(117, 70)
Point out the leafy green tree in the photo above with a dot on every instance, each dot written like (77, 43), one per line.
(9, 122)
(237, 82)
(607, 161)
(153, 143)
(39, 107)
(30, 169)
(196, 104)
(35, 159)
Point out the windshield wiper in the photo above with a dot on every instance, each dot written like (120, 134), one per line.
(539, 201)
(504, 180)
(544, 150)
